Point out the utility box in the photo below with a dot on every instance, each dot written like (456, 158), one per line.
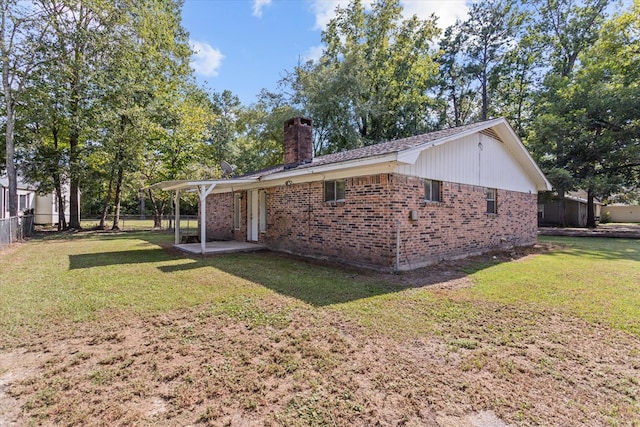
(413, 215)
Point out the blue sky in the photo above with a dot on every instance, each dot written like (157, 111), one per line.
(247, 45)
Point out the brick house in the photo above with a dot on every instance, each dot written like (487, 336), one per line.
(393, 206)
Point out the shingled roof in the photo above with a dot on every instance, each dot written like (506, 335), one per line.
(374, 150)
(403, 150)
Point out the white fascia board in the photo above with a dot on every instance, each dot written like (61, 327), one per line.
(370, 166)
(331, 167)
(185, 185)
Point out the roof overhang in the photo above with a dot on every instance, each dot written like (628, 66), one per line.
(188, 185)
(331, 167)
(379, 162)
(508, 137)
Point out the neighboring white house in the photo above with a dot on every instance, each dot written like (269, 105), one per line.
(622, 213)
(45, 207)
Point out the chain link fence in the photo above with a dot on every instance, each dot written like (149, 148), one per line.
(136, 223)
(15, 229)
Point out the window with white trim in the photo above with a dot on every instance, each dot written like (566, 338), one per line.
(24, 202)
(333, 191)
(432, 190)
(237, 206)
(492, 200)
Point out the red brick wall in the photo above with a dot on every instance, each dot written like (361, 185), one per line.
(459, 225)
(362, 229)
(220, 217)
(355, 231)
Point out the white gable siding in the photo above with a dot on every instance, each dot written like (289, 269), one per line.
(462, 161)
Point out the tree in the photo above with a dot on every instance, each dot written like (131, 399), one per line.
(489, 34)
(371, 83)
(563, 30)
(590, 127)
(21, 32)
(148, 65)
(258, 144)
(456, 92)
(81, 34)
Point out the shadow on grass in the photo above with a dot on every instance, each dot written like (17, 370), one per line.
(103, 259)
(319, 283)
(315, 283)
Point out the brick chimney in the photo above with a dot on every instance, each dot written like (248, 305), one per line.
(298, 142)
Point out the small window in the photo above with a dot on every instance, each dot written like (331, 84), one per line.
(236, 210)
(24, 201)
(432, 190)
(491, 201)
(333, 191)
(263, 211)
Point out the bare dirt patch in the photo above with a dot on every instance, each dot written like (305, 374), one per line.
(312, 366)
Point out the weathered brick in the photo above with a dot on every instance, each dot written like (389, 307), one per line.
(362, 229)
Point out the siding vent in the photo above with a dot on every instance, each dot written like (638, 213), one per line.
(491, 134)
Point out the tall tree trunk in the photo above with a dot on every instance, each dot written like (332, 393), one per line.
(57, 181)
(117, 200)
(456, 109)
(485, 97)
(12, 174)
(9, 126)
(107, 201)
(74, 131)
(62, 220)
(119, 172)
(74, 157)
(157, 211)
(591, 218)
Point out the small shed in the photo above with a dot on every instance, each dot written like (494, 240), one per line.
(575, 209)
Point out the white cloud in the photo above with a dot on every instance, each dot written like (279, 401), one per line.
(206, 60)
(447, 10)
(258, 5)
(325, 10)
(314, 53)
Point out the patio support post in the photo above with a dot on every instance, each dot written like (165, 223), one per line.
(176, 220)
(204, 191)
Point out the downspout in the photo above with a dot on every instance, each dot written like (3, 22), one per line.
(397, 266)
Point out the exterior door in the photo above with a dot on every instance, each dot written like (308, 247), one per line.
(252, 216)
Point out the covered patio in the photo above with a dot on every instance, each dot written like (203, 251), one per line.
(225, 247)
(204, 188)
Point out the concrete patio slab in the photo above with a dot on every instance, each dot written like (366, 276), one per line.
(220, 247)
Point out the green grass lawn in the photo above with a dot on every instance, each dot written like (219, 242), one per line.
(546, 339)
(76, 276)
(597, 279)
